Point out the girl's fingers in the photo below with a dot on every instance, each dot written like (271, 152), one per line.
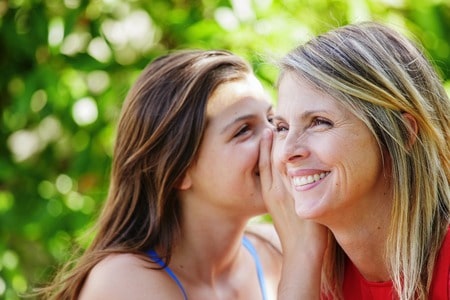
(274, 193)
(265, 165)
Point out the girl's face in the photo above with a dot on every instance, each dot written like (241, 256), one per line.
(225, 173)
(328, 158)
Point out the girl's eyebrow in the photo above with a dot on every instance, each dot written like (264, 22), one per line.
(243, 117)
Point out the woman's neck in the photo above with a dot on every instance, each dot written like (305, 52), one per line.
(363, 237)
(365, 247)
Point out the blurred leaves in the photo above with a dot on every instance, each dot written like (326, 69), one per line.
(66, 67)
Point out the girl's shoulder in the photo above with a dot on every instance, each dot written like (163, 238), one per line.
(265, 240)
(263, 234)
(128, 276)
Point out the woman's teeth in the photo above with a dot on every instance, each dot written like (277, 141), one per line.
(303, 180)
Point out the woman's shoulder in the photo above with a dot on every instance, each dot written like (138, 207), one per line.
(128, 276)
(440, 285)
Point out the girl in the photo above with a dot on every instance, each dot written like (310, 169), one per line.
(185, 182)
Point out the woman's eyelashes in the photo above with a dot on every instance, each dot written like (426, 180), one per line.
(319, 121)
(281, 126)
(314, 123)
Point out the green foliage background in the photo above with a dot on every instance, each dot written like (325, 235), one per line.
(65, 67)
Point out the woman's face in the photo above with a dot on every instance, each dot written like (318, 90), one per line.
(226, 173)
(328, 158)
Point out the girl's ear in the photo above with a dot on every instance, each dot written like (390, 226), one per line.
(412, 128)
(185, 182)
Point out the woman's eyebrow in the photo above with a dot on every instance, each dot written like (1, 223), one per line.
(304, 115)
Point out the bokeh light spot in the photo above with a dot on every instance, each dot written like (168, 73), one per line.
(64, 184)
(10, 260)
(2, 286)
(46, 189)
(98, 81)
(19, 283)
(99, 50)
(54, 207)
(6, 201)
(84, 111)
(23, 144)
(55, 32)
(38, 100)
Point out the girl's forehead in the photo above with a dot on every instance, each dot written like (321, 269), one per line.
(229, 93)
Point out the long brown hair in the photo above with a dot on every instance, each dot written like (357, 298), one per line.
(160, 130)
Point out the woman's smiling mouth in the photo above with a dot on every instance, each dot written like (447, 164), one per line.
(304, 180)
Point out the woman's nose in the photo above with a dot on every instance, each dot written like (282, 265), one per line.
(294, 147)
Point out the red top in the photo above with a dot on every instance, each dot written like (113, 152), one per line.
(357, 288)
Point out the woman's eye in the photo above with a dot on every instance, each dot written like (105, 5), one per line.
(281, 127)
(320, 122)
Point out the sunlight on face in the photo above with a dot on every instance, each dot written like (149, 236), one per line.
(231, 92)
(329, 159)
(226, 173)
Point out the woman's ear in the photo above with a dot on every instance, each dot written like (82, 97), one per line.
(185, 182)
(412, 128)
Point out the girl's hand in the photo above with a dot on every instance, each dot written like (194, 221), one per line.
(292, 230)
(303, 242)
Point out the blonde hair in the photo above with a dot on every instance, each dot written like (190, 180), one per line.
(380, 75)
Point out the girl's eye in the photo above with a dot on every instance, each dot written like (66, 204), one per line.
(271, 121)
(244, 129)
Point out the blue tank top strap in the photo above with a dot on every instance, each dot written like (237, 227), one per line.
(246, 242)
(155, 257)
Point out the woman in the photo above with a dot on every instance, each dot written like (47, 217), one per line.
(361, 142)
(185, 181)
